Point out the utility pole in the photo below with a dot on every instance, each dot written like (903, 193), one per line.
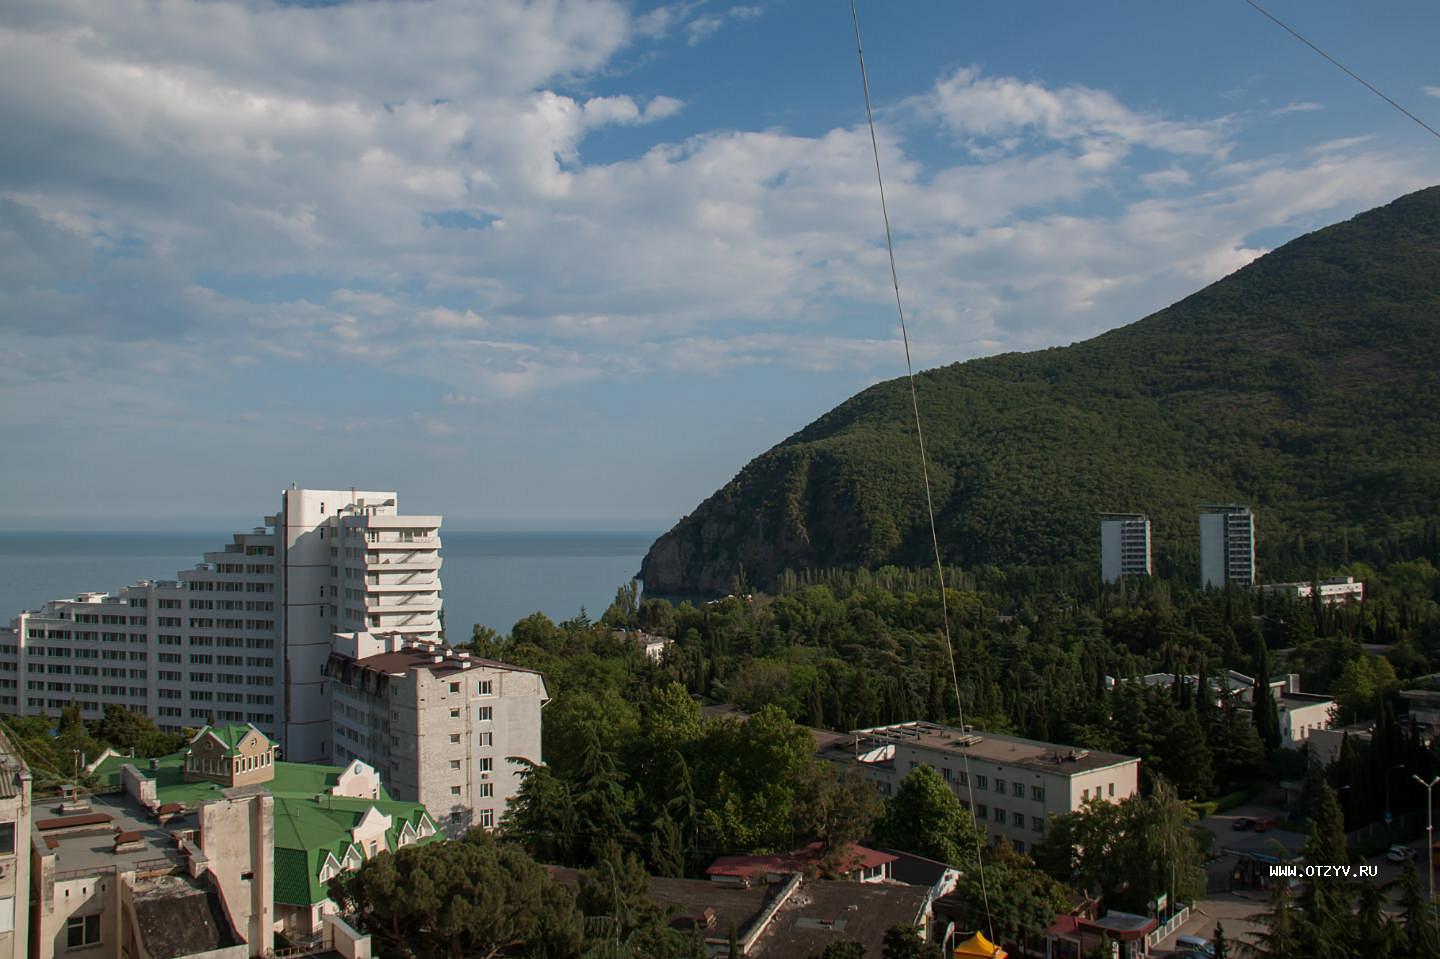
(1430, 835)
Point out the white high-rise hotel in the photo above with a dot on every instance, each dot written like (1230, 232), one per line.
(245, 635)
(1227, 546)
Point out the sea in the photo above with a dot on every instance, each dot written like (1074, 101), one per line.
(495, 579)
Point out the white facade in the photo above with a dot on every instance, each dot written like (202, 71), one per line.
(15, 817)
(1124, 546)
(1015, 785)
(244, 635)
(438, 724)
(1333, 591)
(1227, 546)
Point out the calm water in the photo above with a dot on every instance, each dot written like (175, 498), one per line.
(490, 578)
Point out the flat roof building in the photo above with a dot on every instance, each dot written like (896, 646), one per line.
(439, 724)
(1015, 784)
(1124, 545)
(1227, 546)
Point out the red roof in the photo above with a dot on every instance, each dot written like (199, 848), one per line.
(800, 860)
(88, 819)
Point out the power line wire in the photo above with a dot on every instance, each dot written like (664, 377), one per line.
(1350, 73)
(924, 460)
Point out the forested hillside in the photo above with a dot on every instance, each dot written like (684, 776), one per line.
(1305, 385)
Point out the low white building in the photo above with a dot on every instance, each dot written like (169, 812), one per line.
(1333, 591)
(1016, 784)
(438, 724)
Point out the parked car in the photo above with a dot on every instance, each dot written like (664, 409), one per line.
(1399, 853)
(1194, 946)
(1242, 822)
(1262, 825)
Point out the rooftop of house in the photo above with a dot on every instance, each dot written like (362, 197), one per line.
(116, 832)
(815, 914)
(806, 861)
(311, 822)
(977, 745)
(822, 912)
(179, 916)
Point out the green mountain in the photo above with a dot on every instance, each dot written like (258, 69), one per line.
(1305, 385)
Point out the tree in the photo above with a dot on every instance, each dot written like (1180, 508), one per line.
(1022, 900)
(472, 897)
(542, 815)
(924, 817)
(1128, 852)
(844, 949)
(1266, 717)
(1282, 936)
(619, 914)
(1419, 927)
(836, 805)
(906, 942)
(127, 730)
(1219, 943)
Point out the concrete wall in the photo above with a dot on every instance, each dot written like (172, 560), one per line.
(237, 838)
(15, 870)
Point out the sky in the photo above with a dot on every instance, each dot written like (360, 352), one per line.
(572, 264)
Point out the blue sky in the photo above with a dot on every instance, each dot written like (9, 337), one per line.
(572, 264)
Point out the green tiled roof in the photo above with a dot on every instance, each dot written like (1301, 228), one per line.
(309, 822)
(229, 735)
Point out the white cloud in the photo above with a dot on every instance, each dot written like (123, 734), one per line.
(1000, 110)
(1431, 91)
(1300, 107)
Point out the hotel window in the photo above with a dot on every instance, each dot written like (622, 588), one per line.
(81, 931)
(454, 764)
(487, 739)
(1017, 820)
(487, 819)
(982, 781)
(486, 687)
(964, 778)
(454, 687)
(1037, 824)
(486, 764)
(454, 737)
(981, 811)
(1018, 789)
(1084, 794)
(487, 713)
(1000, 786)
(485, 790)
(454, 790)
(1019, 846)
(7, 839)
(999, 815)
(454, 714)
(1037, 793)
(1112, 789)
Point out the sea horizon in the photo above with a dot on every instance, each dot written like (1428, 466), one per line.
(490, 577)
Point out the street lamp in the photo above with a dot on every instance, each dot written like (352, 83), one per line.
(1430, 833)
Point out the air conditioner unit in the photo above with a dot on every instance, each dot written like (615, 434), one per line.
(484, 775)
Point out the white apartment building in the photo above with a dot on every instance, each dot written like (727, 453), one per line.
(1227, 546)
(244, 636)
(437, 723)
(1124, 545)
(1015, 784)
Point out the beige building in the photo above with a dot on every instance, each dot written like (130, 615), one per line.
(438, 724)
(14, 852)
(1015, 784)
(110, 881)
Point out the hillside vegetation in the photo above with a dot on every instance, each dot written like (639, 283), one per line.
(1304, 384)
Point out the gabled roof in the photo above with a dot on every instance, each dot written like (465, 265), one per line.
(310, 822)
(229, 737)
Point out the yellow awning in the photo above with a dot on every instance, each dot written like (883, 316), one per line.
(978, 946)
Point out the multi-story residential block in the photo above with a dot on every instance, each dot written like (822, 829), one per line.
(436, 722)
(1124, 545)
(1015, 784)
(244, 636)
(14, 852)
(1227, 546)
(1333, 591)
